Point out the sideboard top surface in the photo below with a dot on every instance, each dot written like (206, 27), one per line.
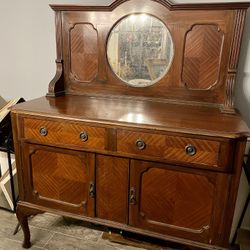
(143, 114)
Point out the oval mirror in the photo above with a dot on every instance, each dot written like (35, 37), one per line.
(140, 50)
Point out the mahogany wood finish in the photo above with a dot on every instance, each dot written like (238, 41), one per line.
(174, 148)
(195, 192)
(163, 161)
(60, 178)
(132, 113)
(219, 51)
(64, 133)
(112, 174)
(202, 56)
(84, 52)
(22, 214)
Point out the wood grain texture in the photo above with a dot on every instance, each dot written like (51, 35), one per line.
(233, 190)
(202, 56)
(22, 214)
(64, 133)
(172, 202)
(167, 184)
(143, 114)
(207, 151)
(170, 87)
(84, 52)
(158, 139)
(112, 188)
(221, 207)
(173, 148)
(180, 181)
(56, 86)
(239, 22)
(56, 177)
(191, 243)
(59, 177)
(103, 31)
(229, 102)
(126, 142)
(18, 149)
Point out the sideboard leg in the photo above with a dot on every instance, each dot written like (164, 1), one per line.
(22, 214)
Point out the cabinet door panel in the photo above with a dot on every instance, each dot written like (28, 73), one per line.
(59, 178)
(172, 202)
(112, 188)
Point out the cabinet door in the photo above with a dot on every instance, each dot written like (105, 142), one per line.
(60, 179)
(173, 202)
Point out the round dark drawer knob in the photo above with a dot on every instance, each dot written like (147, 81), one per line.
(43, 131)
(84, 136)
(190, 150)
(140, 144)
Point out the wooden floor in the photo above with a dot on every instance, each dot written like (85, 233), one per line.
(54, 232)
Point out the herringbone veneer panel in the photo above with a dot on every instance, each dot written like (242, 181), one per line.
(169, 147)
(207, 151)
(84, 52)
(186, 199)
(126, 142)
(60, 177)
(64, 133)
(202, 56)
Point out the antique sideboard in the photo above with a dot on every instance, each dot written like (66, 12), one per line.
(138, 130)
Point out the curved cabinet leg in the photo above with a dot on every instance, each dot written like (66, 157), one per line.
(22, 214)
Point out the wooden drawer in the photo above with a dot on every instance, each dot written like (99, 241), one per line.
(64, 133)
(154, 143)
(175, 148)
(192, 150)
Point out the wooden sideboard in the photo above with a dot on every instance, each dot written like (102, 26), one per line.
(138, 130)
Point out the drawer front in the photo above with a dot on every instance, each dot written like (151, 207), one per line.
(192, 150)
(64, 133)
(132, 142)
(174, 148)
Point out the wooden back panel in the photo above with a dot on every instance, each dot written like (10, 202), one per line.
(206, 50)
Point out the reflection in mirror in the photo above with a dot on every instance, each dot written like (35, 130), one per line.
(140, 50)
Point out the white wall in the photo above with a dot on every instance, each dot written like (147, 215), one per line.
(27, 55)
(27, 46)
